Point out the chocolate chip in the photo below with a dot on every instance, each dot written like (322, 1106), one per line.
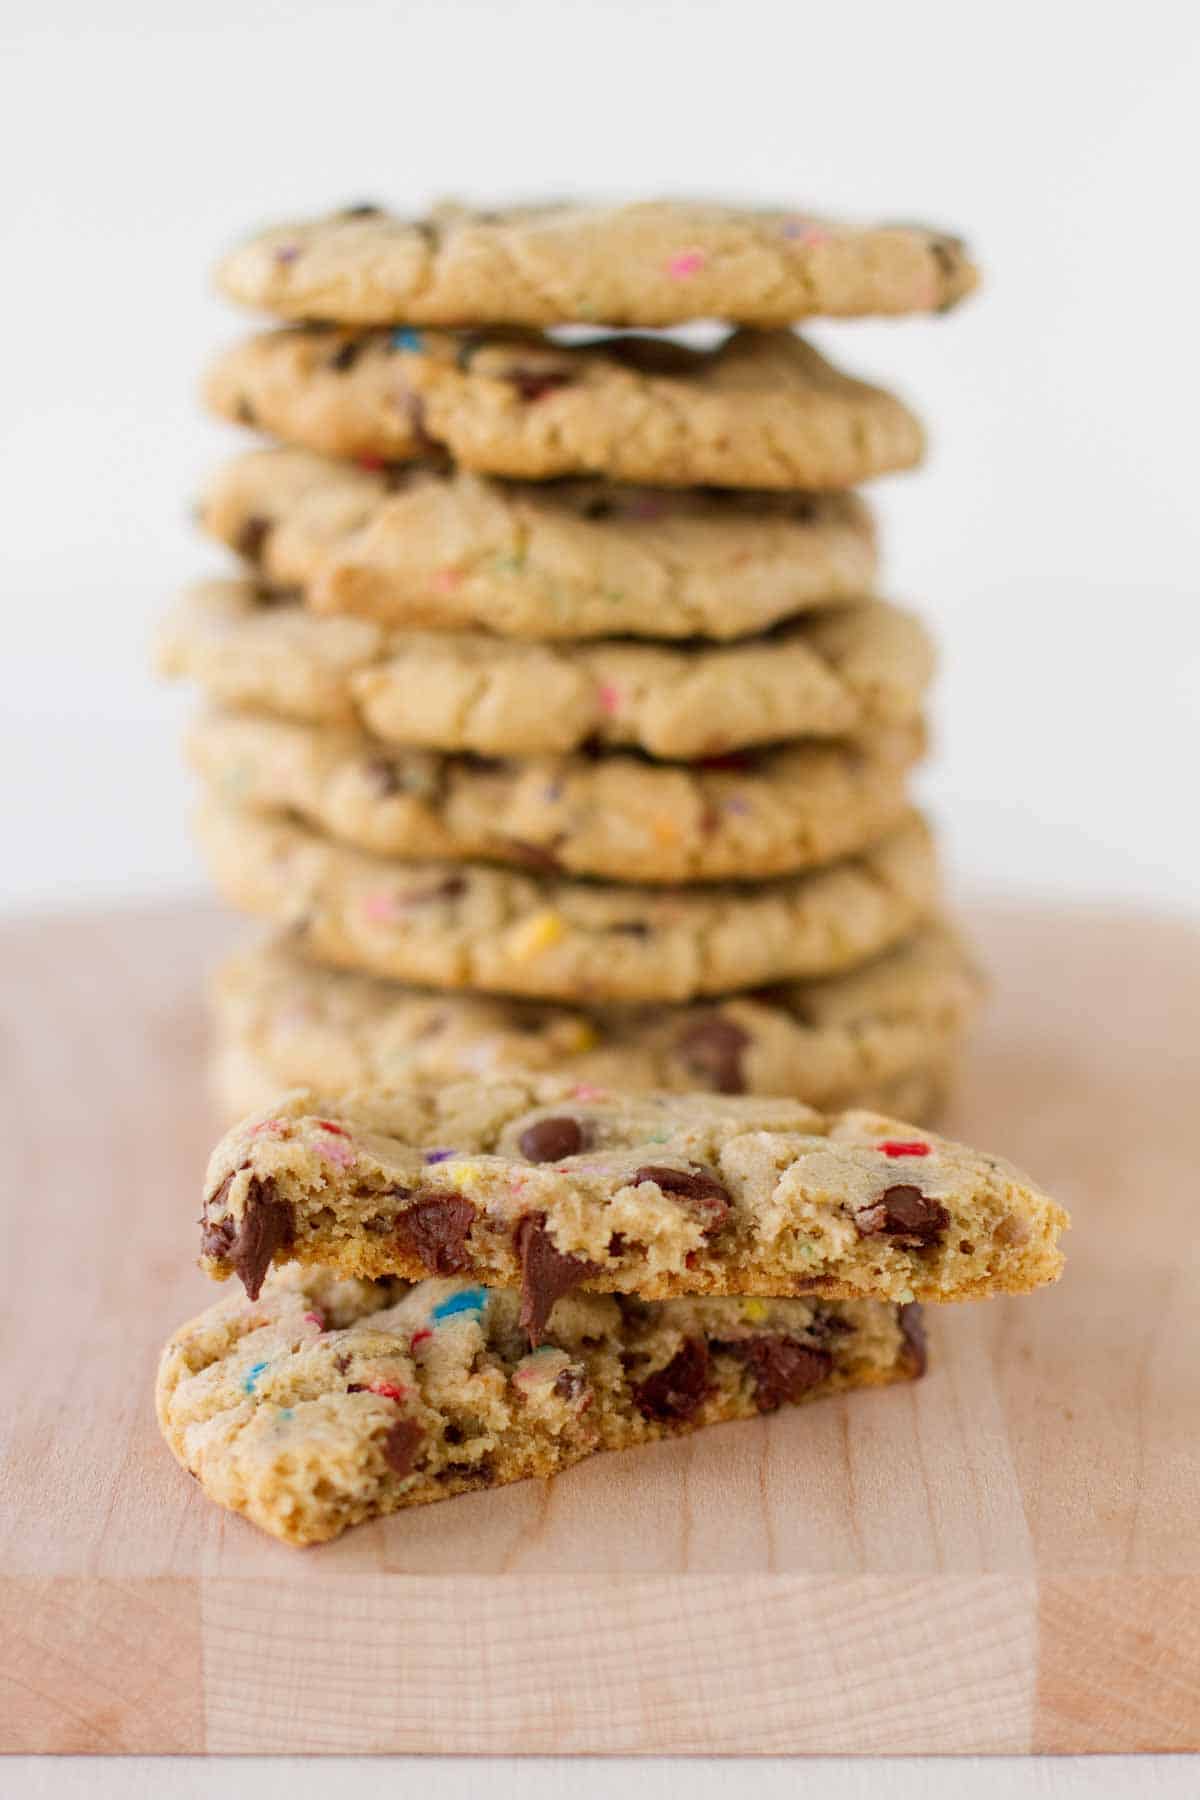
(534, 384)
(912, 1326)
(546, 1273)
(636, 928)
(401, 1444)
(914, 1219)
(252, 536)
(268, 1224)
(341, 1364)
(365, 210)
(383, 773)
(347, 354)
(549, 1140)
(712, 1048)
(781, 1367)
(533, 856)
(569, 1384)
(678, 1390)
(434, 1230)
(699, 1187)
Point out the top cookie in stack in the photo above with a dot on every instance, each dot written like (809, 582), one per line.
(627, 571)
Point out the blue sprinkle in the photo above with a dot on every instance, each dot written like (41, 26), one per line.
(285, 1412)
(406, 339)
(436, 1156)
(470, 1300)
(251, 1380)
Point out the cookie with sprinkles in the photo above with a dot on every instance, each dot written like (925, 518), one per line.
(761, 410)
(452, 551)
(328, 1401)
(619, 817)
(838, 674)
(553, 1186)
(496, 930)
(881, 1036)
(649, 263)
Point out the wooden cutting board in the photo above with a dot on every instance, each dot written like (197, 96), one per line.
(1003, 1558)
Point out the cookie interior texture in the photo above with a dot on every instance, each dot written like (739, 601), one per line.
(551, 1186)
(328, 1401)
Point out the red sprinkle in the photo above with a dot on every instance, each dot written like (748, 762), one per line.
(371, 463)
(419, 1337)
(328, 1125)
(893, 1147)
(389, 1390)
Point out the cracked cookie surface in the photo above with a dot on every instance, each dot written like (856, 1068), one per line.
(551, 1186)
(614, 816)
(649, 263)
(499, 931)
(761, 410)
(880, 1036)
(328, 1401)
(835, 674)
(452, 551)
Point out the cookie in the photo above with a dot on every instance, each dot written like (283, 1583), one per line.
(651, 263)
(452, 551)
(879, 1036)
(833, 674)
(762, 410)
(329, 1401)
(614, 816)
(551, 1185)
(455, 925)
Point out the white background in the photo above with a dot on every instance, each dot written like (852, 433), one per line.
(1054, 538)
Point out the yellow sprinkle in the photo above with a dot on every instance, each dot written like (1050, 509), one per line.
(536, 934)
(581, 1036)
(465, 1173)
(755, 1311)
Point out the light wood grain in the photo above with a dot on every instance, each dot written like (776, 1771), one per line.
(1006, 1557)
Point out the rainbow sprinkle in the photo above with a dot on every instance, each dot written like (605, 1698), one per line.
(406, 339)
(251, 1381)
(469, 1300)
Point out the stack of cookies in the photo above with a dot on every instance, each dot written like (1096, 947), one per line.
(557, 723)
(562, 737)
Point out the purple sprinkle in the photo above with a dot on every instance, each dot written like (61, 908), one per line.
(432, 1156)
(287, 253)
(552, 791)
(736, 805)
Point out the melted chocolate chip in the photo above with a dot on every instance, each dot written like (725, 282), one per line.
(434, 1230)
(251, 537)
(549, 1140)
(698, 1187)
(268, 1224)
(546, 1273)
(678, 1390)
(781, 1367)
(914, 1219)
(912, 1326)
(401, 1444)
(534, 384)
(347, 354)
(712, 1049)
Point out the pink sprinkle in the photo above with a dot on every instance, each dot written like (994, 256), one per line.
(893, 1147)
(444, 580)
(315, 1318)
(380, 909)
(389, 1390)
(610, 697)
(688, 262)
(270, 1128)
(585, 1091)
(338, 1153)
